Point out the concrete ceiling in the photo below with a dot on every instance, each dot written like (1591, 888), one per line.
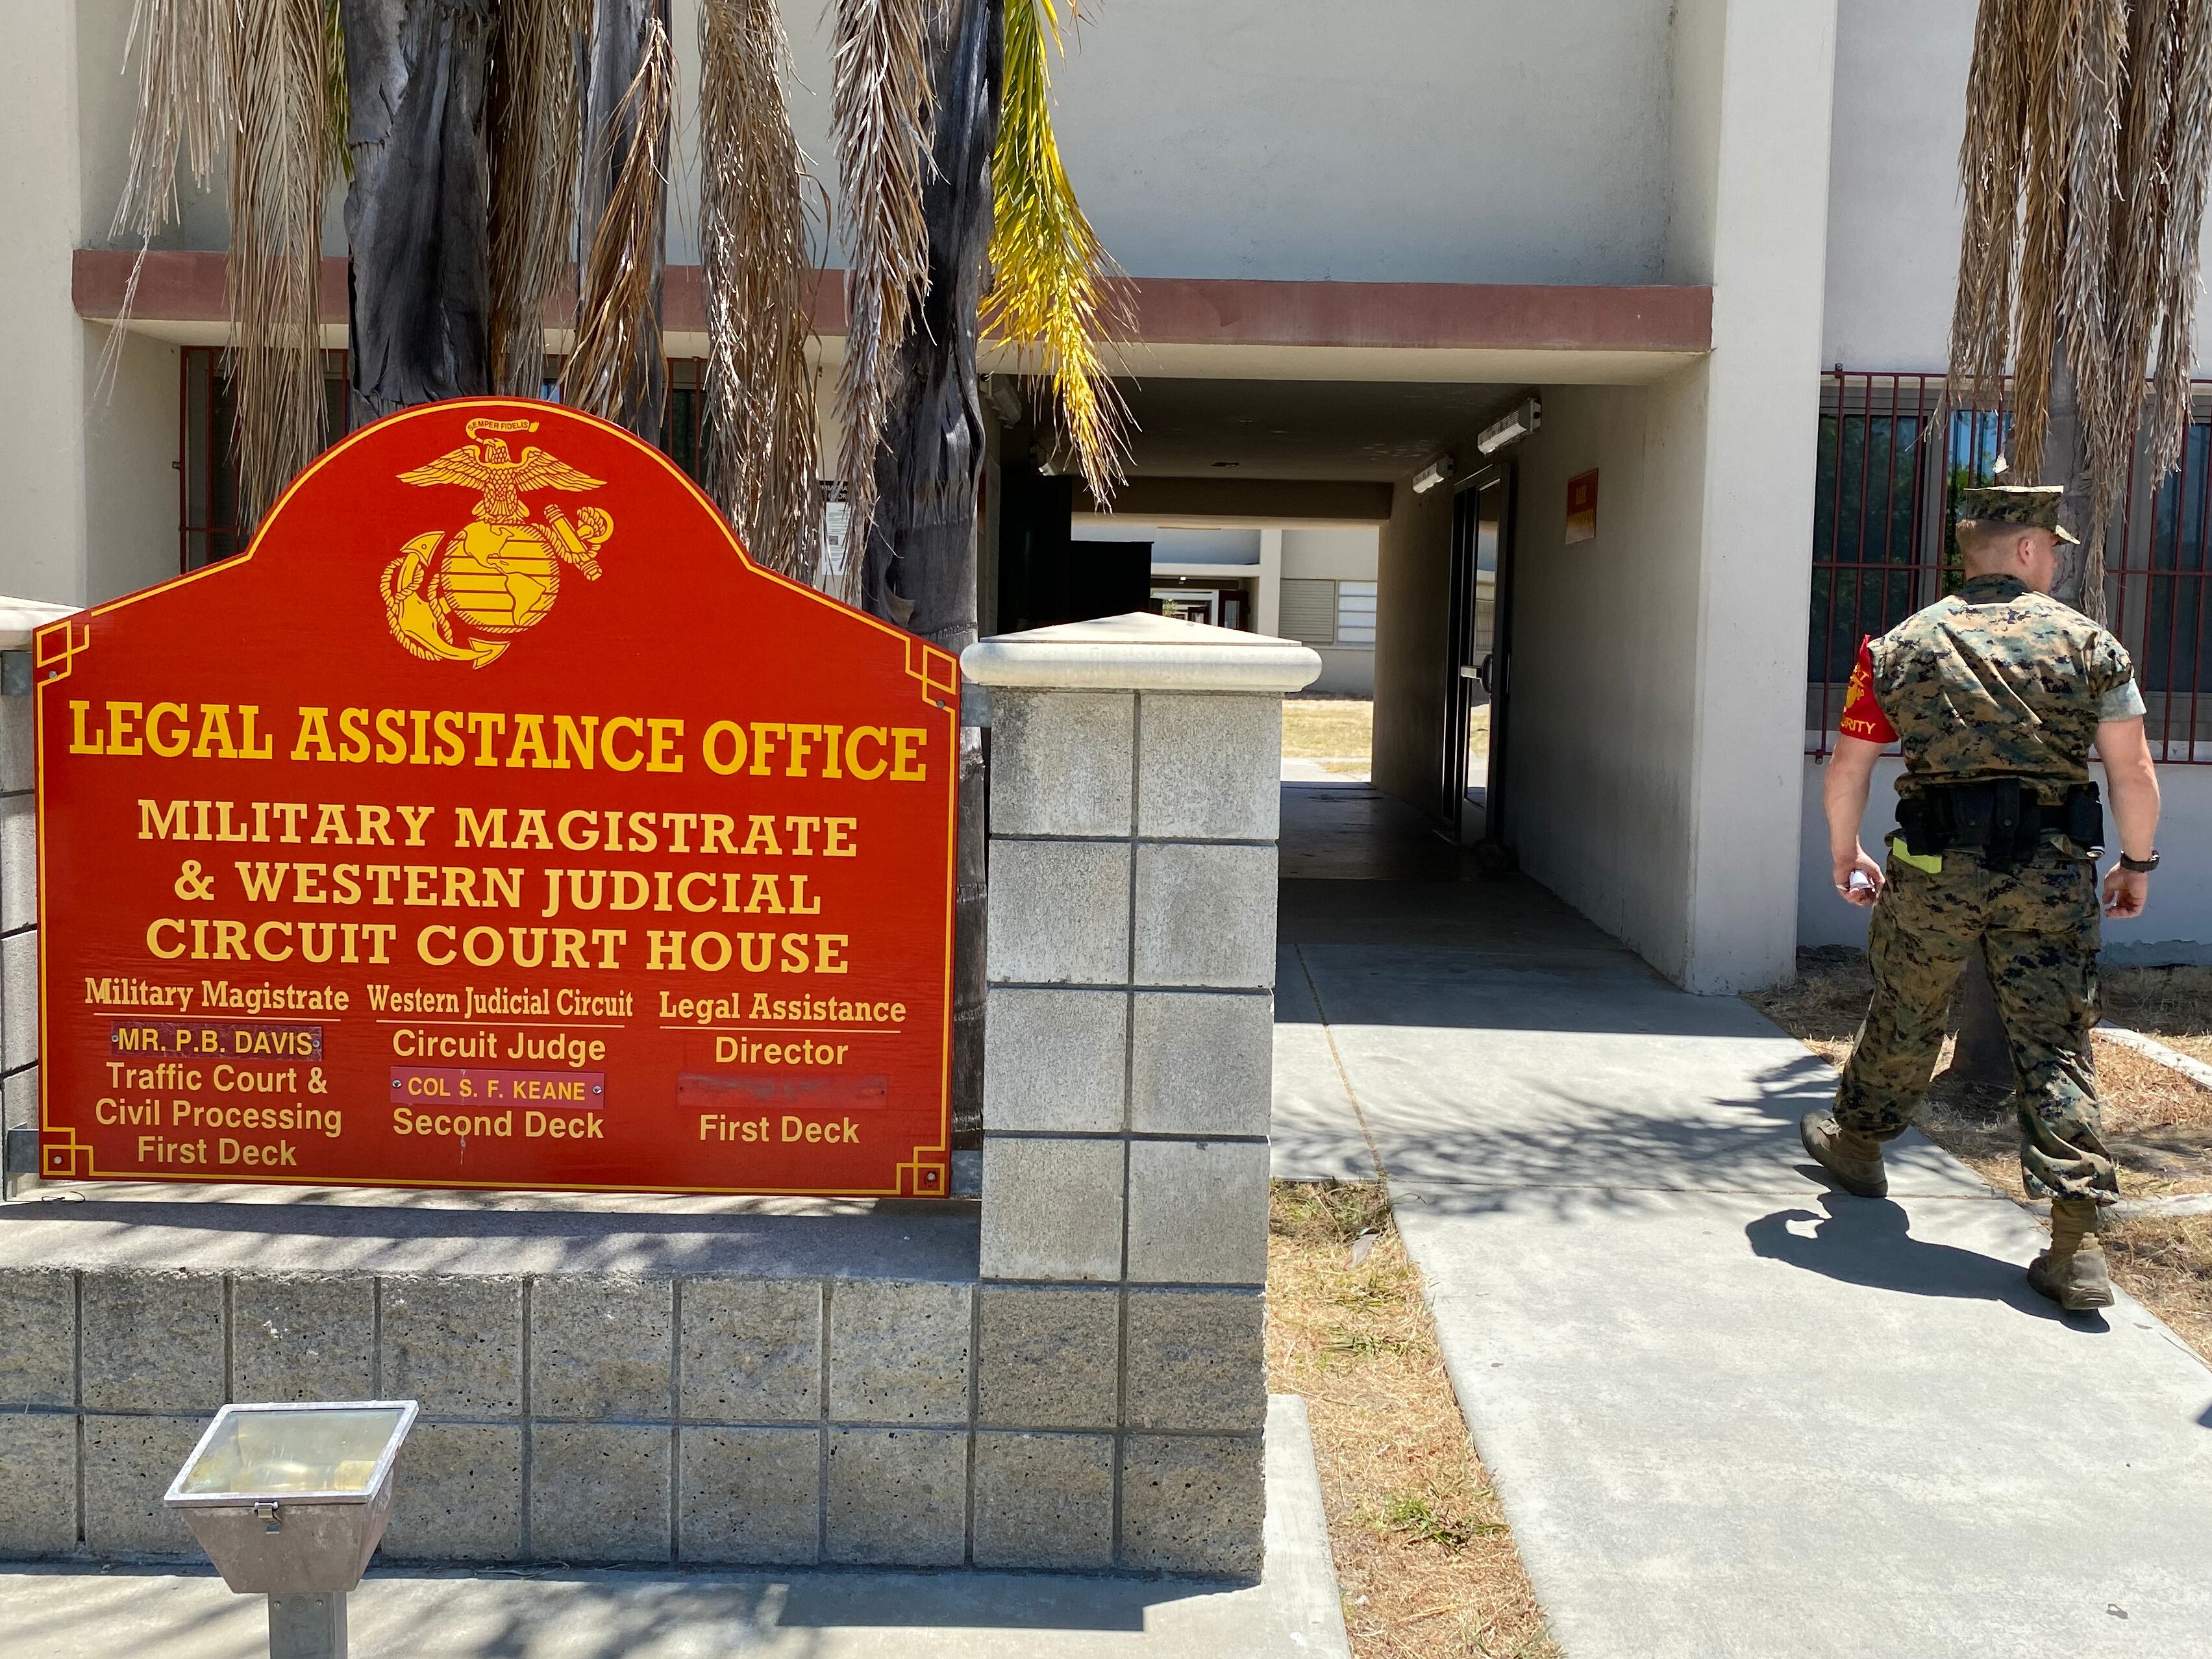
(1302, 428)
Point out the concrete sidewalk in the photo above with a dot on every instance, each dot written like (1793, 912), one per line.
(70, 1611)
(1729, 1411)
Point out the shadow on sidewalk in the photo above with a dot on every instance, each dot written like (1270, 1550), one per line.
(1862, 1241)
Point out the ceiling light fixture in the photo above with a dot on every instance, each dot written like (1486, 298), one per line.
(1434, 473)
(1518, 424)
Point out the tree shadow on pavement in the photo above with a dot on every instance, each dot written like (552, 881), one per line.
(1865, 1240)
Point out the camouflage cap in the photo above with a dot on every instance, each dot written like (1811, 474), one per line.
(2034, 506)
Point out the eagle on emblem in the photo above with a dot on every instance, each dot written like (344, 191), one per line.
(501, 573)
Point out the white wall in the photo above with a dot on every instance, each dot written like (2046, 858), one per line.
(2177, 928)
(84, 467)
(1397, 140)
(43, 345)
(1335, 553)
(1228, 545)
(1598, 796)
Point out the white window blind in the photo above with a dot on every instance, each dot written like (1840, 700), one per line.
(1355, 614)
(1309, 610)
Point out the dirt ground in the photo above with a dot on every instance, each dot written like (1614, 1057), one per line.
(1338, 731)
(2157, 1121)
(1425, 1562)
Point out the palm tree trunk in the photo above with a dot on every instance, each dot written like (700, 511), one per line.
(419, 284)
(920, 547)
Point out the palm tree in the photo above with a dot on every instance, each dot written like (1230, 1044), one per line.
(2088, 139)
(483, 140)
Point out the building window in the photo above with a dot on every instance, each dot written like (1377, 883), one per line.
(1309, 610)
(1355, 615)
(1892, 462)
(207, 461)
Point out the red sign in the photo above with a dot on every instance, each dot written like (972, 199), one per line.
(1581, 506)
(495, 822)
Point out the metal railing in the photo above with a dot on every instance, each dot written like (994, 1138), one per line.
(1892, 461)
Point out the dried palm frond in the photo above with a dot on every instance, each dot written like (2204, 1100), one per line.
(185, 118)
(2088, 139)
(756, 277)
(336, 96)
(1988, 176)
(880, 107)
(1054, 286)
(535, 122)
(2177, 225)
(185, 114)
(614, 371)
(279, 169)
(2106, 411)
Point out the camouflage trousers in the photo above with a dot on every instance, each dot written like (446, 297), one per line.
(2038, 929)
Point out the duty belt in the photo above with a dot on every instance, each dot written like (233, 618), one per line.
(2003, 819)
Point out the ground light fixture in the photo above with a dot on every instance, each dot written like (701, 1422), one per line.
(1517, 423)
(290, 1501)
(1435, 472)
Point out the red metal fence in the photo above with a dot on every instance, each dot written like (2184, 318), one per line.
(1892, 462)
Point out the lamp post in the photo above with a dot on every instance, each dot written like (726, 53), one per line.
(290, 1502)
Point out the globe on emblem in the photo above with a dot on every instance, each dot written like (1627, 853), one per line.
(499, 578)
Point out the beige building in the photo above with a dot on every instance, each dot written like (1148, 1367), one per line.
(1711, 239)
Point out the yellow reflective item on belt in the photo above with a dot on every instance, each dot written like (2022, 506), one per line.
(1931, 863)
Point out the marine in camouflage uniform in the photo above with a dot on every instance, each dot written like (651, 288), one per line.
(1995, 680)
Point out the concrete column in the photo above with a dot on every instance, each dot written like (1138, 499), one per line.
(1268, 601)
(19, 877)
(1132, 947)
(1753, 87)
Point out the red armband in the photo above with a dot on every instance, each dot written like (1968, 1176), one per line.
(1862, 716)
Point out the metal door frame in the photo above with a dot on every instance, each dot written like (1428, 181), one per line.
(1494, 672)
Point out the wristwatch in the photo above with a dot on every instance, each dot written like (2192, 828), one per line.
(2141, 866)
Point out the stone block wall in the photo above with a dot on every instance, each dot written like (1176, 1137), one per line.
(583, 1417)
(1074, 1380)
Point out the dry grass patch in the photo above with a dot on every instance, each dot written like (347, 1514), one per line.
(2173, 1005)
(1424, 1557)
(2158, 1122)
(1327, 728)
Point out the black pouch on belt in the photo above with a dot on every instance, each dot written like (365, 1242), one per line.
(1924, 822)
(1980, 812)
(2084, 818)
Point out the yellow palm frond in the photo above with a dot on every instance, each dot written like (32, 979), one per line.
(1054, 288)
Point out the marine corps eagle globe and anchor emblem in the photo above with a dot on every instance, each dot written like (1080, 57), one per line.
(448, 590)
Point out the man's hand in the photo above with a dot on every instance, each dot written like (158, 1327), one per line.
(1866, 891)
(1843, 798)
(2126, 892)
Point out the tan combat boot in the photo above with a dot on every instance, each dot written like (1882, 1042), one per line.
(1853, 1158)
(2071, 1273)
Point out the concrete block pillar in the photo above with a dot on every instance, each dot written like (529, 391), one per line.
(19, 884)
(1130, 955)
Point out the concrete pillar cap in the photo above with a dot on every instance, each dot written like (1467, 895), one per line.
(20, 618)
(1139, 652)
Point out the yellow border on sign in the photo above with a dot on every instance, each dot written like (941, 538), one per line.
(939, 672)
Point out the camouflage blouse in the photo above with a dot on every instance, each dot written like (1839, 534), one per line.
(1995, 680)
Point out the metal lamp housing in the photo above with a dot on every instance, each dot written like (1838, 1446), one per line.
(289, 1499)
